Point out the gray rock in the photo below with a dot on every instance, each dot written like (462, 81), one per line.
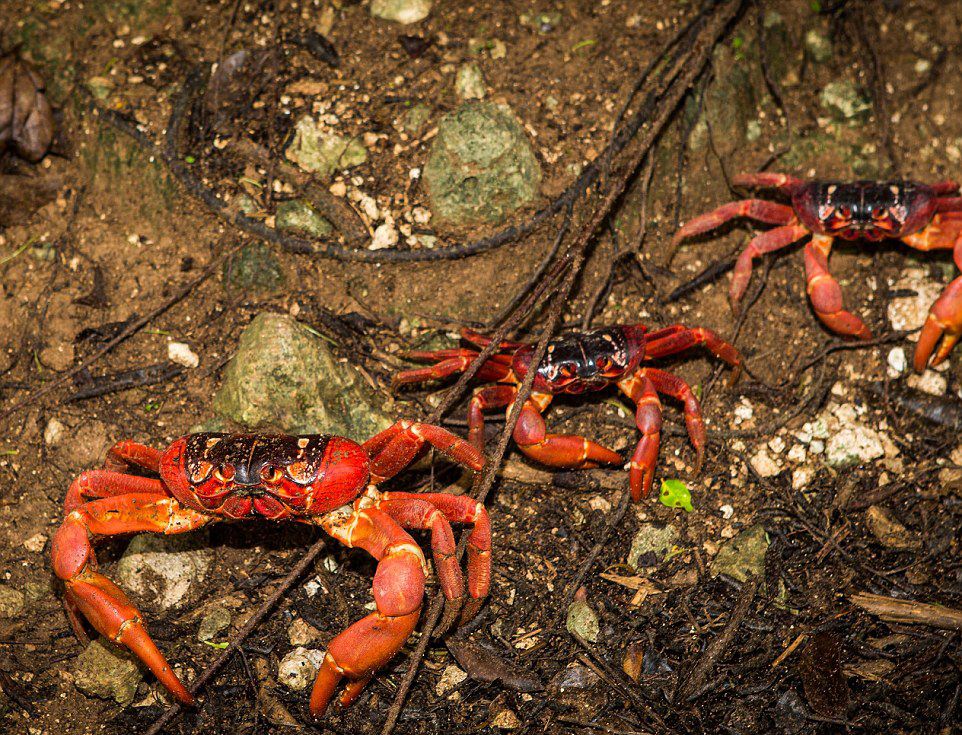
(782, 52)
(216, 620)
(650, 545)
(415, 118)
(845, 102)
(401, 11)
(323, 153)
(481, 166)
(107, 671)
(165, 571)
(11, 602)
(297, 215)
(743, 555)
(729, 101)
(285, 378)
(253, 268)
(818, 45)
(299, 668)
(583, 620)
(469, 82)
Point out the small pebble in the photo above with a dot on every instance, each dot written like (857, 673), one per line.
(181, 354)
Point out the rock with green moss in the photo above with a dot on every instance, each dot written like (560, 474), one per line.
(322, 152)
(285, 378)
(743, 556)
(107, 671)
(253, 268)
(299, 217)
(481, 166)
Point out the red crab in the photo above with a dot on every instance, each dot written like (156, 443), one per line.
(924, 217)
(323, 480)
(577, 363)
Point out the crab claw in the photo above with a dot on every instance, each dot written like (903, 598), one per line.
(945, 322)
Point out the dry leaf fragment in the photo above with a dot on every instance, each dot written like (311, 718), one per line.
(483, 665)
(26, 120)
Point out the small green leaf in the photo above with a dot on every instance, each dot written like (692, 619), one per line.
(190, 159)
(737, 42)
(675, 494)
(220, 646)
(584, 44)
(816, 6)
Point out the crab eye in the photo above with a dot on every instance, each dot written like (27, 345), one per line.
(845, 212)
(878, 212)
(224, 473)
(270, 474)
(568, 370)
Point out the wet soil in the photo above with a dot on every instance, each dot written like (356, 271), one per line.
(718, 654)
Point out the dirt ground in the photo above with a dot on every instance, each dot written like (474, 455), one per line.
(123, 237)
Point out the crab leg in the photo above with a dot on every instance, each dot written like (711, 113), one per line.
(483, 340)
(768, 180)
(101, 601)
(945, 315)
(368, 644)
(678, 337)
(756, 209)
(767, 242)
(394, 448)
(497, 367)
(493, 396)
(825, 293)
(125, 452)
(435, 511)
(95, 484)
(639, 388)
(569, 451)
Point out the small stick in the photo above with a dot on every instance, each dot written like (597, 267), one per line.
(720, 643)
(893, 610)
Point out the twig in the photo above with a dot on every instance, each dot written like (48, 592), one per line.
(718, 646)
(893, 610)
(682, 71)
(255, 620)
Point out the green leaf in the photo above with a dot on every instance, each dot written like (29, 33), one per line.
(675, 494)
(220, 646)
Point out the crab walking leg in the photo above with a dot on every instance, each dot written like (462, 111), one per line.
(435, 511)
(671, 385)
(678, 337)
(825, 293)
(945, 315)
(493, 396)
(94, 484)
(394, 448)
(760, 210)
(101, 601)
(768, 179)
(641, 391)
(125, 453)
(767, 242)
(944, 321)
(569, 451)
(398, 588)
(497, 367)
